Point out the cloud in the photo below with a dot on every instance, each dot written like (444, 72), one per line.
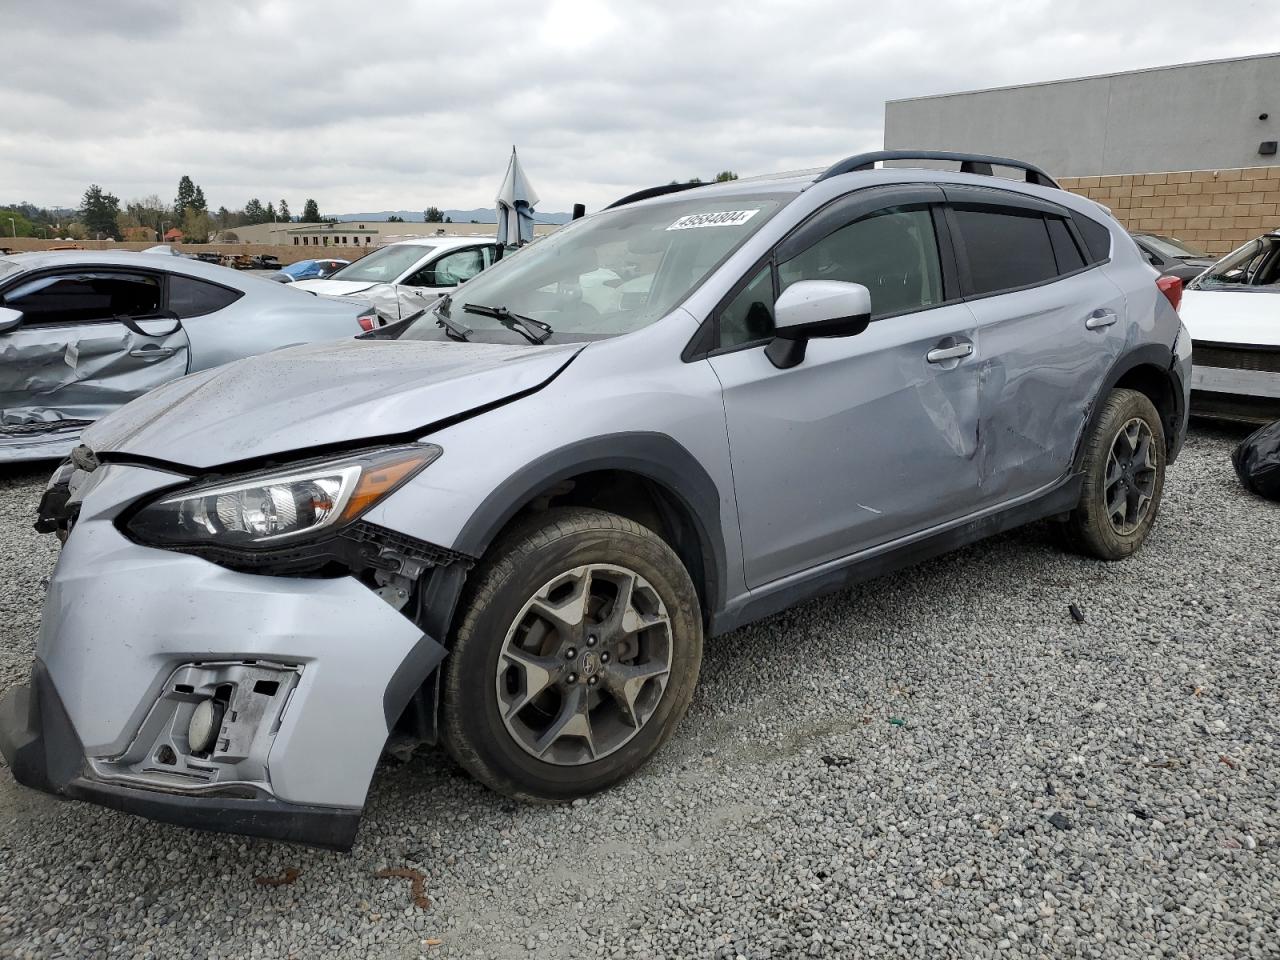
(369, 106)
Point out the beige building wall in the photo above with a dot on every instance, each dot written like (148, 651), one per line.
(1216, 210)
(379, 231)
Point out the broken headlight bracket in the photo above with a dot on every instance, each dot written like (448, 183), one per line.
(361, 547)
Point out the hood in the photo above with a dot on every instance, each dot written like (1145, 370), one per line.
(1247, 317)
(294, 400)
(334, 288)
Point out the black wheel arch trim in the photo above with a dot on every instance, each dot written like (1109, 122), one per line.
(1153, 355)
(654, 456)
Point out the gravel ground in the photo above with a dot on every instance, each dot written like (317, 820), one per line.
(941, 763)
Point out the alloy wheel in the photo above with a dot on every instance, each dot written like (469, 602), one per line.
(1130, 481)
(584, 664)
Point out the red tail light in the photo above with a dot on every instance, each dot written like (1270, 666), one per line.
(369, 321)
(1171, 287)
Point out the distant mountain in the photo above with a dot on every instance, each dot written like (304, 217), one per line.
(479, 215)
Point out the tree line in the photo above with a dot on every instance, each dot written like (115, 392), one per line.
(102, 217)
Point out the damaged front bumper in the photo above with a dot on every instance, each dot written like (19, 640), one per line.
(308, 674)
(41, 747)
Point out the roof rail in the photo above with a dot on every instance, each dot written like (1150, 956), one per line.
(969, 163)
(653, 192)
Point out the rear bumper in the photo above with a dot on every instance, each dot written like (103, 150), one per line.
(1263, 384)
(42, 749)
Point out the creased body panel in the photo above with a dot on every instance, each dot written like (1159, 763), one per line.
(120, 617)
(320, 394)
(1042, 367)
(863, 442)
(50, 373)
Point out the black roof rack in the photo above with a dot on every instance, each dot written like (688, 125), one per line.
(653, 192)
(969, 163)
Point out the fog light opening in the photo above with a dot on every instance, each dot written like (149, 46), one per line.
(206, 722)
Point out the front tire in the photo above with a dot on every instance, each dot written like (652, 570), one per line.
(1124, 462)
(576, 655)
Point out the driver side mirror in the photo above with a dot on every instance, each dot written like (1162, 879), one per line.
(9, 319)
(816, 308)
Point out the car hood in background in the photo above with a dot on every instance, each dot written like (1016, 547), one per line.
(335, 288)
(1246, 317)
(292, 401)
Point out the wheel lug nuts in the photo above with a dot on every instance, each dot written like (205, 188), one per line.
(572, 678)
(604, 657)
(570, 653)
(593, 681)
(591, 641)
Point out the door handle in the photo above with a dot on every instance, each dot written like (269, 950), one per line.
(942, 354)
(152, 353)
(1101, 318)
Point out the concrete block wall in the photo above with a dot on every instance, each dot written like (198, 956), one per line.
(1216, 210)
(287, 253)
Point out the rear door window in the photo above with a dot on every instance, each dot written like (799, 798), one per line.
(85, 296)
(1005, 248)
(189, 297)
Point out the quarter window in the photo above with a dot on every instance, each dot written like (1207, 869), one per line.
(893, 253)
(189, 297)
(1006, 248)
(1097, 238)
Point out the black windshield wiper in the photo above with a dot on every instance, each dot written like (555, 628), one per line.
(459, 331)
(535, 330)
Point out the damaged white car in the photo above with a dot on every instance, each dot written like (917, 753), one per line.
(85, 332)
(402, 278)
(1233, 313)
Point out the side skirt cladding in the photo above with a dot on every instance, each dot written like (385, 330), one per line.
(877, 562)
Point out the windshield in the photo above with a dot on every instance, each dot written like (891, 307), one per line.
(1172, 247)
(1255, 266)
(8, 268)
(302, 266)
(384, 265)
(611, 273)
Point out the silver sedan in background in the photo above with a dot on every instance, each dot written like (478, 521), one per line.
(84, 332)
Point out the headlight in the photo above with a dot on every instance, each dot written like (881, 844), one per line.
(277, 507)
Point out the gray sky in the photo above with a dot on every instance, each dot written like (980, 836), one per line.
(380, 104)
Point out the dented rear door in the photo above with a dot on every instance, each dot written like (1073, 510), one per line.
(91, 339)
(1050, 326)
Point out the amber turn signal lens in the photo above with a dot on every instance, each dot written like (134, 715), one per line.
(377, 481)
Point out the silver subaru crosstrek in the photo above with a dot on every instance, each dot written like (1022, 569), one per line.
(507, 525)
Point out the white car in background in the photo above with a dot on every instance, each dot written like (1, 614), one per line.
(402, 278)
(1232, 311)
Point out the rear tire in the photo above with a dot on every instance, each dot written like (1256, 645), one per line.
(576, 655)
(1123, 466)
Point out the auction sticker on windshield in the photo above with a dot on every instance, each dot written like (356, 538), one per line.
(724, 218)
